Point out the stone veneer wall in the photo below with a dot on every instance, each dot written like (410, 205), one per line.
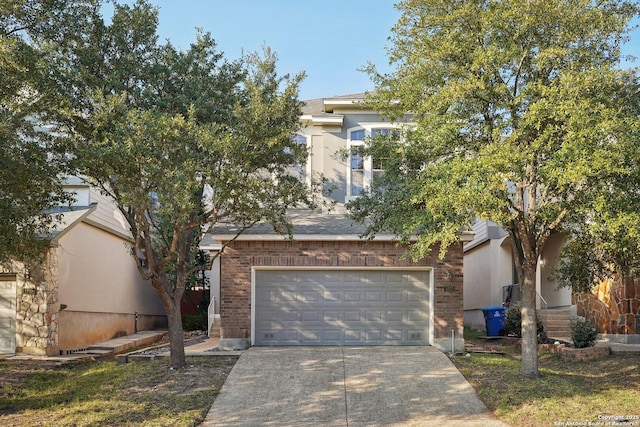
(37, 307)
(240, 256)
(613, 306)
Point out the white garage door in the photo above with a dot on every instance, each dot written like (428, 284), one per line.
(342, 307)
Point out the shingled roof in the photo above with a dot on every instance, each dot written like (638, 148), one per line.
(307, 225)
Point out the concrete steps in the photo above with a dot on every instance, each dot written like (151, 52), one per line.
(557, 321)
(214, 332)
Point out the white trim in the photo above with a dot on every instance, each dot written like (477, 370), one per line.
(253, 306)
(323, 120)
(342, 268)
(429, 269)
(367, 127)
(215, 246)
(464, 236)
(342, 101)
(301, 237)
(307, 165)
(109, 230)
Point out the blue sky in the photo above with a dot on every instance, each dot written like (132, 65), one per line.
(329, 39)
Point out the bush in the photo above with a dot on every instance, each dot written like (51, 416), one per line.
(583, 334)
(513, 321)
(194, 322)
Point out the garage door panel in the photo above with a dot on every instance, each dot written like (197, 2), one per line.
(373, 316)
(311, 296)
(332, 296)
(352, 315)
(333, 316)
(352, 335)
(415, 316)
(374, 296)
(362, 307)
(332, 336)
(311, 336)
(310, 315)
(373, 336)
(395, 296)
(394, 316)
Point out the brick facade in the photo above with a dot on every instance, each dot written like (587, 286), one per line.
(240, 256)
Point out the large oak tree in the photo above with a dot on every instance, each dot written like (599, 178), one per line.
(179, 139)
(522, 115)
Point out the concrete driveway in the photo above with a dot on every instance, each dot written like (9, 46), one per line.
(347, 386)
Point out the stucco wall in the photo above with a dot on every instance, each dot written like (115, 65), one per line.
(548, 288)
(98, 274)
(487, 268)
(100, 288)
(81, 329)
(240, 256)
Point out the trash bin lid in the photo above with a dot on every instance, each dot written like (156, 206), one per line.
(493, 307)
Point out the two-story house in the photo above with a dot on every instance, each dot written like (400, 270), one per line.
(328, 286)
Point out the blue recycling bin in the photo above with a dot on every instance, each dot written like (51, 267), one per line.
(494, 320)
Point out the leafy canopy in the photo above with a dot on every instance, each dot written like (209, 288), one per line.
(181, 140)
(31, 159)
(521, 115)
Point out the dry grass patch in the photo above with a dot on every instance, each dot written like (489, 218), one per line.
(105, 393)
(566, 393)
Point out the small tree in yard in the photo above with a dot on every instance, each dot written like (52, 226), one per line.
(521, 116)
(181, 140)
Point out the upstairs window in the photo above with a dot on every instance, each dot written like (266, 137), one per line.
(300, 170)
(364, 170)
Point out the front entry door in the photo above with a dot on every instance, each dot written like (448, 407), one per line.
(7, 313)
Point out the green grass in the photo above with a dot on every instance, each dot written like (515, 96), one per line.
(105, 393)
(577, 392)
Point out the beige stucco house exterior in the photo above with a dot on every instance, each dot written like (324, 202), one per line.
(489, 269)
(613, 306)
(86, 290)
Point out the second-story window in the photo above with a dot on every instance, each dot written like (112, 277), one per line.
(363, 170)
(302, 170)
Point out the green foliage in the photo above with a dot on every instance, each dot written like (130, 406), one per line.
(513, 321)
(583, 334)
(32, 165)
(181, 140)
(521, 116)
(194, 322)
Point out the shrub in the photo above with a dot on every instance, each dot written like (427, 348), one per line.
(513, 321)
(194, 322)
(583, 334)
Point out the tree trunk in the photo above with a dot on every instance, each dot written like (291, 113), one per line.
(529, 323)
(176, 336)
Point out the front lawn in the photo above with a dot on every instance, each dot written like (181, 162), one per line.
(105, 393)
(566, 393)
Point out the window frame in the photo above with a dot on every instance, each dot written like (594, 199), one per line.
(307, 166)
(368, 129)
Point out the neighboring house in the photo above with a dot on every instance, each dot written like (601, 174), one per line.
(328, 286)
(613, 306)
(87, 289)
(489, 270)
